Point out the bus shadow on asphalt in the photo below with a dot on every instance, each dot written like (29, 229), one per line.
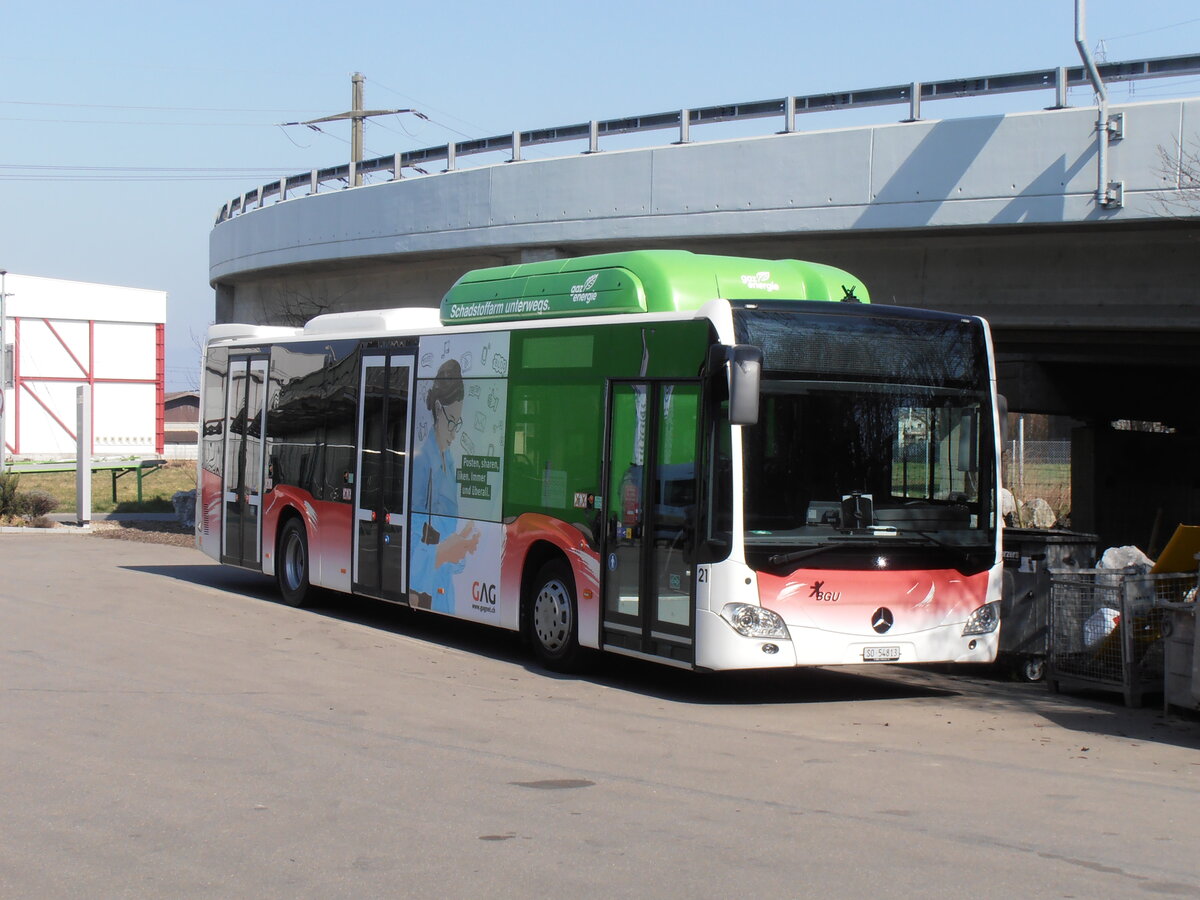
(801, 685)
(756, 686)
(1092, 712)
(1085, 713)
(224, 578)
(804, 685)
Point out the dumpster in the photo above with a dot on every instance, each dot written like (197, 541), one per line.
(1106, 629)
(1029, 555)
(1181, 655)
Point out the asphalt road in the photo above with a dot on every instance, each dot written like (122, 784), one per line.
(168, 730)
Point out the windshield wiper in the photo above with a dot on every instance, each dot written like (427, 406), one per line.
(782, 559)
(966, 554)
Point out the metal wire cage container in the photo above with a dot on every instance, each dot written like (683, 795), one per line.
(1106, 630)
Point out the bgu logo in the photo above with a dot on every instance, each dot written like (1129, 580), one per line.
(824, 596)
(481, 592)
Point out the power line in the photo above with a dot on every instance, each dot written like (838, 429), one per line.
(1121, 37)
(141, 122)
(233, 170)
(157, 108)
(477, 128)
(99, 179)
(127, 174)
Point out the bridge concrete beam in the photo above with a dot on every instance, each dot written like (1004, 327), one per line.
(997, 171)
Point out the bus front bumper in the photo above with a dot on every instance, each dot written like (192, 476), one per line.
(720, 647)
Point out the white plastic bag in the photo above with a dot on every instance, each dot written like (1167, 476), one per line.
(1125, 557)
(1100, 625)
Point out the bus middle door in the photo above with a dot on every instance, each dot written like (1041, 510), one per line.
(381, 483)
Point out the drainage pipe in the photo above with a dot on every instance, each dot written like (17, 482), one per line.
(1102, 197)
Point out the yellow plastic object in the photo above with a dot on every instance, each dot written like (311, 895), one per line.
(1180, 553)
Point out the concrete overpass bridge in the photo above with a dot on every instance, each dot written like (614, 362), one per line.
(1087, 270)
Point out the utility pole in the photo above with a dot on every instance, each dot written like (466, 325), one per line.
(357, 116)
(356, 124)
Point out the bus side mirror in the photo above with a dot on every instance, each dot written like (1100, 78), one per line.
(742, 365)
(1002, 415)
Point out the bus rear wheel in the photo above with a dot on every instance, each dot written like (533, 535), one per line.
(553, 618)
(291, 564)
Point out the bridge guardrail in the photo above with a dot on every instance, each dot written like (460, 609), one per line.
(785, 108)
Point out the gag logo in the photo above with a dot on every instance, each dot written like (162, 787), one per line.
(583, 293)
(481, 592)
(760, 282)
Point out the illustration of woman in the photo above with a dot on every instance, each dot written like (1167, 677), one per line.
(438, 552)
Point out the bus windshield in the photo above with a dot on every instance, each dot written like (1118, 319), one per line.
(890, 450)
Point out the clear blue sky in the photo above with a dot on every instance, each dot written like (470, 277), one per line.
(99, 102)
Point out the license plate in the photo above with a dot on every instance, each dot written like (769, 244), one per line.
(881, 654)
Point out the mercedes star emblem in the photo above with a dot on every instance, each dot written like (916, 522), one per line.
(882, 619)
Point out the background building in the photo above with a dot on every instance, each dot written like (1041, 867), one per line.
(68, 333)
(181, 424)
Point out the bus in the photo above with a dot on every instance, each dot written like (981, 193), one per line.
(707, 461)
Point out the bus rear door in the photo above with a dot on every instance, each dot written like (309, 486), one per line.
(245, 415)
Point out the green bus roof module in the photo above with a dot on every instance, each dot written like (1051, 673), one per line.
(611, 283)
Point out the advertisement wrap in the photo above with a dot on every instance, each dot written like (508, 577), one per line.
(457, 539)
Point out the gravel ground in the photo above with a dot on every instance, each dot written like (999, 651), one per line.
(150, 532)
(147, 532)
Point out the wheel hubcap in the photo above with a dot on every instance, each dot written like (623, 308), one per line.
(293, 563)
(552, 616)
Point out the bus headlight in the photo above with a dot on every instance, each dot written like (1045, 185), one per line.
(984, 620)
(755, 621)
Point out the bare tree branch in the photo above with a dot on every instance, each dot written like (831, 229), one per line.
(295, 305)
(1179, 167)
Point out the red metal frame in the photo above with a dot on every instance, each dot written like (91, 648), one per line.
(22, 382)
(16, 410)
(160, 374)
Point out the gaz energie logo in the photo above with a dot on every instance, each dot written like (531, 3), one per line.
(583, 293)
(760, 281)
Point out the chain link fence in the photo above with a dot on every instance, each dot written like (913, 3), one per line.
(1038, 473)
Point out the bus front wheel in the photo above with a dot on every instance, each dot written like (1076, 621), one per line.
(291, 564)
(553, 618)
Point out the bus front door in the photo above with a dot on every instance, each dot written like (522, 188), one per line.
(241, 509)
(649, 509)
(381, 482)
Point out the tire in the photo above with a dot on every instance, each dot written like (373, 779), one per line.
(291, 564)
(552, 618)
(1033, 668)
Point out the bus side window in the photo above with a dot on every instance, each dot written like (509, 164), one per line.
(294, 415)
(341, 421)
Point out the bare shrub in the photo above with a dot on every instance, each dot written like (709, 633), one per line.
(35, 505)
